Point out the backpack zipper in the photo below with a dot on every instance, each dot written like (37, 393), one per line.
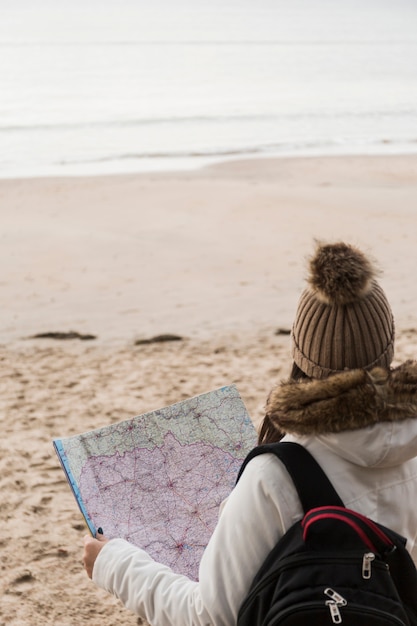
(335, 597)
(301, 559)
(337, 615)
(334, 603)
(334, 612)
(368, 557)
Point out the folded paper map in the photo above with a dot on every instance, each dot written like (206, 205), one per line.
(158, 479)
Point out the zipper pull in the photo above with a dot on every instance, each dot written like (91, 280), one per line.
(334, 612)
(335, 597)
(368, 557)
(333, 604)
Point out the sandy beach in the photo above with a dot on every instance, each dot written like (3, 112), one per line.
(215, 256)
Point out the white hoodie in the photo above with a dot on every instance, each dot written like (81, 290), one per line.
(374, 470)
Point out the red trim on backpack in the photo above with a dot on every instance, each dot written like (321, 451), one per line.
(378, 532)
(342, 518)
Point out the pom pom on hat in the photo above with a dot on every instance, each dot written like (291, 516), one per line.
(343, 319)
(340, 273)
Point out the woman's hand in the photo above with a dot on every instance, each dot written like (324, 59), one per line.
(92, 548)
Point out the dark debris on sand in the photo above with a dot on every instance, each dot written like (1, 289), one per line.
(158, 339)
(63, 335)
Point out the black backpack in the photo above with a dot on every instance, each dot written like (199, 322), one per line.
(334, 566)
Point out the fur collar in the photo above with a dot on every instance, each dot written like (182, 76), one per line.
(345, 401)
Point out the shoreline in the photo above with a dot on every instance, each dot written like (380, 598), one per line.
(217, 162)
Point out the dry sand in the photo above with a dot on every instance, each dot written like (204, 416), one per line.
(216, 256)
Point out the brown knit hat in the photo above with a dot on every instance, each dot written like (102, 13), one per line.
(343, 319)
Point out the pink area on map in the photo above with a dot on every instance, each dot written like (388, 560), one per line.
(164, 499)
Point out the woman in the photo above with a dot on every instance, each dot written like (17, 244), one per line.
(357, 417)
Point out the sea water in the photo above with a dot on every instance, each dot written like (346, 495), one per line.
(98, 86)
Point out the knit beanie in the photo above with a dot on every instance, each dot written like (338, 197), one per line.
(343, 320)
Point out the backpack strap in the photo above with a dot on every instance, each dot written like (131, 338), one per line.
(313, 487)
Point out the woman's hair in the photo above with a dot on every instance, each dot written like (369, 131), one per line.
(269, 432)
(298, 374)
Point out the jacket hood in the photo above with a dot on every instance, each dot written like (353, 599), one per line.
(369, 417)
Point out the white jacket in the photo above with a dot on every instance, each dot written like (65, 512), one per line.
(374, 470)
